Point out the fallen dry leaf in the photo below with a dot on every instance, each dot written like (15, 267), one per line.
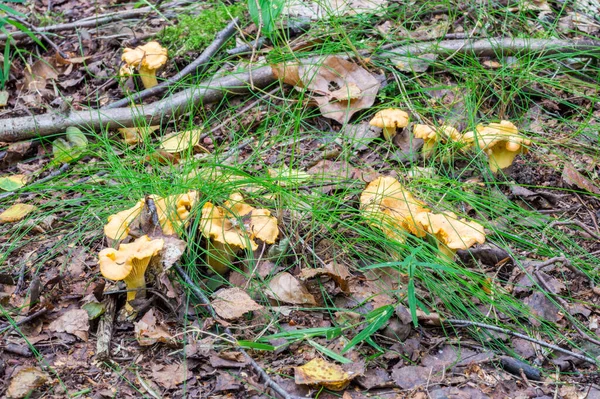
(169, 376)
(180, 141)
(36, 75)
(287, 288)
(25, 381)
(16, 212)
(12, 182)
(74, 321)
(134, 135)
(573, 178)
(340, 87)
(320, 372)
(338, 272)
(147, 332)
(232, 303)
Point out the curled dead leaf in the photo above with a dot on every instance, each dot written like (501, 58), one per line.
(287, 288)
(340, 87)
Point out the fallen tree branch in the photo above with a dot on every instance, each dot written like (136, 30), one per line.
(494, 46)
(93, 22)
(268, 381)
(21, 128)
(469, 323)
(43, 125)
(206, 56)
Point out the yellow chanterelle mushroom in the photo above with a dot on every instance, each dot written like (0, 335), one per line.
(389, 120)
(147, 59)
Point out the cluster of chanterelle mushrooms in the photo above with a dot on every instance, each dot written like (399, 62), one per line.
(229, 228)
(388, 206)
(500, 141)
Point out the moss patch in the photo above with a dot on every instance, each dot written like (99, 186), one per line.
(195, 32)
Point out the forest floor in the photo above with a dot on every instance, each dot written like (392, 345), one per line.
(332, 280)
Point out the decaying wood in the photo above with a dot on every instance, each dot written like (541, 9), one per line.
(495, 46)
(161, 111)
(105, 328)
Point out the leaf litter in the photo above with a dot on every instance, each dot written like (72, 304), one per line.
(345, 90)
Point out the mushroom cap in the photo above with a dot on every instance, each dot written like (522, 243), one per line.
(501, 141)
(390, 118)
(504, 134)
(453, 232)
(443, 132)
(150, 56)
(117, 227)
(218, 227)
(388, 205)
(180, 141)
(236, 207)
(174, 210)
(129, 259)
(264, 226)
(222, 224)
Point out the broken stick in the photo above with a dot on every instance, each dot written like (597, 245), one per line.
(105, 328)
(21, 128)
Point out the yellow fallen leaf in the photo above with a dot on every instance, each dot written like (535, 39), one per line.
(13, 182)
(180, 141)
(320, 372)
(16, 213)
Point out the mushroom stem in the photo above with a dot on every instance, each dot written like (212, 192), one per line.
(444, 250)
(219, 256)
(148, 77)
(389, 133)
(137, 282)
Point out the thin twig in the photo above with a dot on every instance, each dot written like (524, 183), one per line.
(94, 21)
(42, 34)
(577, 223)
(469, 323)
(200, 295)
(565, 306)
(238, 113)
(64, 167)
(203, 58)
(25, 320)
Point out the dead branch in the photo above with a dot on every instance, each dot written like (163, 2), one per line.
(496, 46)
(105, 329)
(96, 21)
(467, 323)
(21, 128)
(206, 56)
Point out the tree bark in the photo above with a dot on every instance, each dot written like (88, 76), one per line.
(22, 128)
(155, 113)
